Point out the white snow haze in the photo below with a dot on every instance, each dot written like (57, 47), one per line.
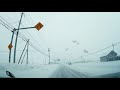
(70, 36)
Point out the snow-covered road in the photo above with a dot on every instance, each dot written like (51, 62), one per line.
(47, 71)
(51, 71)
(80, 70)
(65, 72)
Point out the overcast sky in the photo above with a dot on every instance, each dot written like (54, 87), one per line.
(92, 30)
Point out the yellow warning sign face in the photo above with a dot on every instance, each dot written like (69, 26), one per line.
(38, 26)
(10, 46)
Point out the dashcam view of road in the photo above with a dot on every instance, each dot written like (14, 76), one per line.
(59, 45)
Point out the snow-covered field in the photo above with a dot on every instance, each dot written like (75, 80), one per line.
(78, 70)
(97, 68)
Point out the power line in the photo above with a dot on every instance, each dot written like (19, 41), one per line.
(10, 29)
(99, 50)
(22, 37)
(31, 44)
(5, 25)
(31, 37)
(7, 22)
(36, 34)
(8, 51)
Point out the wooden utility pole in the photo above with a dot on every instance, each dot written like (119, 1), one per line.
(113, 50)
(113, 46)
(17, 38)
(27, 50)
(11, 44)
(37, 26)
(49, 54)
(23, 52)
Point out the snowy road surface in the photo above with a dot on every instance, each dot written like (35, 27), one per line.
(79, 70)
(65, 72)
(48, 71)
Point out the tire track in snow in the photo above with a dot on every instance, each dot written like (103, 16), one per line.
(65, 72)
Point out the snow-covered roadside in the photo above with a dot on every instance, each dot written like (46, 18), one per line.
(40, 72)
(97, 68)
(78, 70)
(27, 71)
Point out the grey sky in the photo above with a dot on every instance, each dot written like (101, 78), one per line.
(93, 31)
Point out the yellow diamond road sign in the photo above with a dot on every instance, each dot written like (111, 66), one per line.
(10, 46)
(38, 26)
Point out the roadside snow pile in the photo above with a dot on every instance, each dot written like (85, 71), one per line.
(27, 71)
(112, 75)
(97, 68)
(13, 68)
(3, 72)
(43, 71)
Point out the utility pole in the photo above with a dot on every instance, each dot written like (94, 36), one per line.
(54, 60)
(37, 26)
(23, 52)
(82, 58)
(49, 54)
(27, 50)
(113, 46)
(113, 50)
(11, 44)
(17, 38)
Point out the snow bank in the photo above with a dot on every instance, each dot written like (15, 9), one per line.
(27, 71)
(97, 68)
